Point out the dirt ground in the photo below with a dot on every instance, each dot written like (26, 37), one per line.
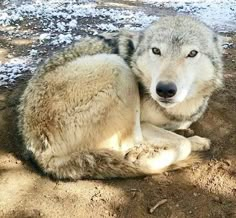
(207, 189)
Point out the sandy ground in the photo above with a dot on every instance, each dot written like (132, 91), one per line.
(207, 189)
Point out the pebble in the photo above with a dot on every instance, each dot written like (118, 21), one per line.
(216, 198)
(166, 173)
(106, 211)
(195, 194)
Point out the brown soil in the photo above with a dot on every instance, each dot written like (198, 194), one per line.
(207, 189)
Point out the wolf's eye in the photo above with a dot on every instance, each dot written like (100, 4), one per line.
(192, 54)
(156, 51)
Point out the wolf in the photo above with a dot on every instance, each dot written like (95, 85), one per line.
(107, 106)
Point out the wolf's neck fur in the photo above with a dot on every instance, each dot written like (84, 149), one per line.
(188, 110)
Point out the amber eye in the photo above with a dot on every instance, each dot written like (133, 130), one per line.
(192, 54)
(156, 51)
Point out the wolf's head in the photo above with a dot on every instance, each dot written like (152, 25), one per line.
(177, 58)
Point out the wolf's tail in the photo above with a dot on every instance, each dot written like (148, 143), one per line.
(103, 164)
(100, 164)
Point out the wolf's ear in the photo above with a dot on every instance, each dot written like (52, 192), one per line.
(128, 43)
(222, 42)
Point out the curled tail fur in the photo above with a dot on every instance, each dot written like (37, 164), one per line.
(104, 164)
(100, 164)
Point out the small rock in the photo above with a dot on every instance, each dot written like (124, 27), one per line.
(166, 173)
(11, 56)
(106, 211)
(217, 199)
(180, 7)
(227, 162)
(33, 52)
(234, 190)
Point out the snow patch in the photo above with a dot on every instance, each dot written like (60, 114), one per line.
(60, 22)
(62, 39)
(219, 14)
(10, 71)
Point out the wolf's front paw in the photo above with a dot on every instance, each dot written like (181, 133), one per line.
(150, 158)
(136, 152)
(199, 143)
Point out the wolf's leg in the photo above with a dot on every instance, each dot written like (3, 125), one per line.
(163, 148)
(161, 136)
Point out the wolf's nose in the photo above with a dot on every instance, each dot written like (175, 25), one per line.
(166, 89)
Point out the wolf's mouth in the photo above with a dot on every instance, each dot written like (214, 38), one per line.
(166, 103)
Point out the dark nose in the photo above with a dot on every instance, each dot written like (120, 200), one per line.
(166, 89)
